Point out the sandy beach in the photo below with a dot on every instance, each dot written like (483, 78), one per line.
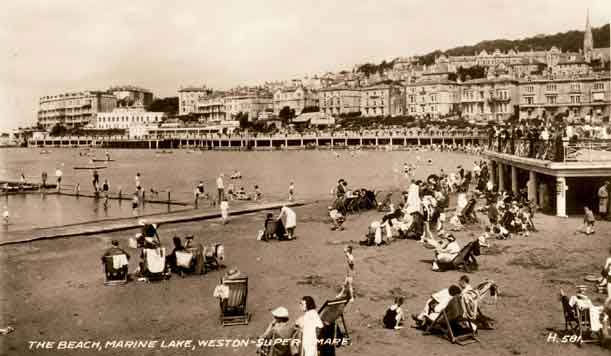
(53, 290)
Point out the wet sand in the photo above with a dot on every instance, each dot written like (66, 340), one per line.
(53, 290)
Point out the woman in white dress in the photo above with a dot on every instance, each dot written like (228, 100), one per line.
(309, 322)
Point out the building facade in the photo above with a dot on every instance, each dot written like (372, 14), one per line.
(129, 96)
(489, 99)
(211, 108)
(73, 109)
(294, 98)
(136, 121)
(339, 100)
(579, 96)
(382, 100)
(189, 98)
(251, 104)
(432, 98)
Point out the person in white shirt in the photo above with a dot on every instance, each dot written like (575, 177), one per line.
(220, 187)
(446, 253)
(337, 219)
(291, 220)
(309, 322)
(58, 175)
(224, 211)
(606, 272)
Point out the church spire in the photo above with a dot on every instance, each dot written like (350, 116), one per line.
(588, 43)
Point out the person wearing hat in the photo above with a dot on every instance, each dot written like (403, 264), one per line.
(233, 273)
(278, 329)
(603, 199)
(446, 252)
(291, 220)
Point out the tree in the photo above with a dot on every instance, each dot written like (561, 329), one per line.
(286, 114)
(58, 130)
(243, 119)
(166, 105)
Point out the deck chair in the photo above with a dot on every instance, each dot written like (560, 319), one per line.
(115, 270)
(154, 264)
(465, 260)
(463, 311)
(576, 322)
(233, 309)
(332, 315)
(211, 258)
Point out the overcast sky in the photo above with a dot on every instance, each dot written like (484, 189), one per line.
(50, 47)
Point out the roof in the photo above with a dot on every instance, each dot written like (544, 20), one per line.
(489, 81)
(203, 88)
(432, 82)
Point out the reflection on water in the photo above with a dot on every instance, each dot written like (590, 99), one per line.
(43, 210)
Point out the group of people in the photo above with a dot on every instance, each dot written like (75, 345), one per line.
(281, 227)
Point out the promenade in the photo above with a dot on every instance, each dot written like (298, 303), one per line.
(111, 225)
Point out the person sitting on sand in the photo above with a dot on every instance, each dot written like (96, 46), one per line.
(241, 194)
(269, 228)
(115, 250)
(435, 305)
(171, 259)
(446, 252)
(393, 318)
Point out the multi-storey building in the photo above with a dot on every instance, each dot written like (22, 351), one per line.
(189, 97)
(252, 105)
(73, 109)
(130, 96)
(577, 96)
(212, 108)
(489, 99)
(339, 100)
(432, 98)
(134, 120)
(294, 98)
(382, 100)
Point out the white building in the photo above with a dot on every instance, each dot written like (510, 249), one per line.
(189, 97)
(136, 121)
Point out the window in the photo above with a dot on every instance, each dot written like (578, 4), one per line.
(551, 87)
(575, 99)
(528, 100)
(551, 99)
(599, 86)
(575, 87)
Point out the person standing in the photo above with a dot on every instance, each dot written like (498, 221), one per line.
(291, 191)
(224, 211)
(603, 200)
(138, 185)
(135, 203)
(43, 179)
(588, 220)
(58, 175)
(279, 329)
(309, 322)
(6, 215)
(221, 188)
(291, 220)
(96, 180)
(105, 191)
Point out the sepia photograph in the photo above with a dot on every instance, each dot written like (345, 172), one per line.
(305, 178)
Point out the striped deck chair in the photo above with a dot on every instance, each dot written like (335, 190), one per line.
(577, 322)
(114, 276)
(332, 315)
(462, 313)
(233, 309)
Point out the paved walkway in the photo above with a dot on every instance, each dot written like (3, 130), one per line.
(110, 225)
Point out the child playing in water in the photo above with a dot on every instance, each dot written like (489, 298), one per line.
(291, 191)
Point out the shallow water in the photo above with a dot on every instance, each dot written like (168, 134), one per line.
(315, 174)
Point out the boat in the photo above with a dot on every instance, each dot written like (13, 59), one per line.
(103, 160)
(90, 167)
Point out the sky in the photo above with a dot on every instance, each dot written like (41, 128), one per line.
(52, 47)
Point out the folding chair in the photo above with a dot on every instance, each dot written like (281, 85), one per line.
(465, 260)
(233, 309)
(451, 319)
(577, 322)
(332, 315)
(114, 276)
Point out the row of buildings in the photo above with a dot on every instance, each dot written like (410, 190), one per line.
(530, 84)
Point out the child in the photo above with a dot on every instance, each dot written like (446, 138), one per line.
(291, 191)
(588, 220)
(337, 219)
(224, 211)
(394, 315)
(484, 238)
(135, 203)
